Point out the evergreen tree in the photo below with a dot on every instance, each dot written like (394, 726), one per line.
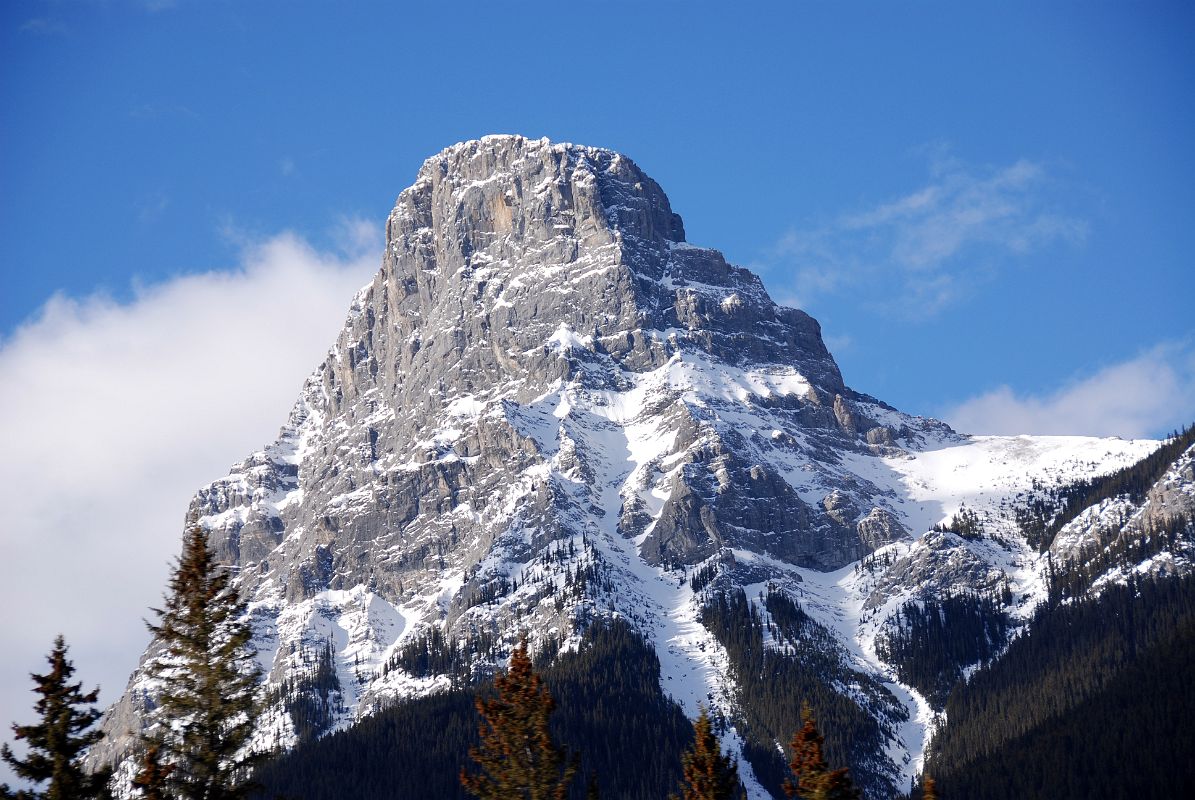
(57, 743)
(709, 775)
(815, 779)
(151, 780)
(1094, 700)
(517, 757)
(208, 670)
(608, 703)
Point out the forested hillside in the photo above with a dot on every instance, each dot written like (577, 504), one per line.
(803, 665)
(610, 710)
(1049, 509)
(930, 642)
(1094, 700)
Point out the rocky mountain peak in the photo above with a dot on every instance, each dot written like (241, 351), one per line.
(506, 249)
(475, 191)
(548, 408)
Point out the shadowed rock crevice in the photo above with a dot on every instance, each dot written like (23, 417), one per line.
(543, 396)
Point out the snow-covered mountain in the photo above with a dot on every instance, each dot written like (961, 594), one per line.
(549, 408)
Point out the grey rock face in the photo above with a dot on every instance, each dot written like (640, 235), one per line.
(514, 268)
(540, 359)
(1118, 520)
(547, 407)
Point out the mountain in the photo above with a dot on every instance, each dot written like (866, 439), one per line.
(548, 411)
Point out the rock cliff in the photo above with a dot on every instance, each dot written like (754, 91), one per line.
(548, 407)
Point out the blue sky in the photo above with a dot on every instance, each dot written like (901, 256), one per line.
(148, 140)
(989, 206)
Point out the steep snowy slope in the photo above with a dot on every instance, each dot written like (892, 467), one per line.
(548, 408)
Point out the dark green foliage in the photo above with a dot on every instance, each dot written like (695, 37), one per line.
(708, 773)
(703, 576)
(1068, 581)
(814, 780)
(1093, 701)
(516, 758)
(1046, 511)
(430, 653)
(609, 703)
(413, 749)
(312, 698)
(773, 687)
(930, 642)
(873, 561)
(489, 592)
(965, 523)
(57, 743)
(208, 671)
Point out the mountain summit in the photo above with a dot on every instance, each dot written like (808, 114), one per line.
(549, 409)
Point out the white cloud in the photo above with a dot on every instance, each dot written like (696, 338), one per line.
(925, 250)
(113, 414)
(1142, 397)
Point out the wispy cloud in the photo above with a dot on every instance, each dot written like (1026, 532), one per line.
(149, 111)
(839, 343)
(922, 251)
(113, 414)
(46, 26)
(1144, 396)
(152, 207)
(52, 26)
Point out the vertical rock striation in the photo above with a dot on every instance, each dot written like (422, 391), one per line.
(548, 407)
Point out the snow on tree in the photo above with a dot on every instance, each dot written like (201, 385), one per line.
(208, 671)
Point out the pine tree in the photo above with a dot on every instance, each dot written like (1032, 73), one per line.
(208, 670)
(151, 780)
(57, 743)
(815, 779)
(709, 775)
(517, 757)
